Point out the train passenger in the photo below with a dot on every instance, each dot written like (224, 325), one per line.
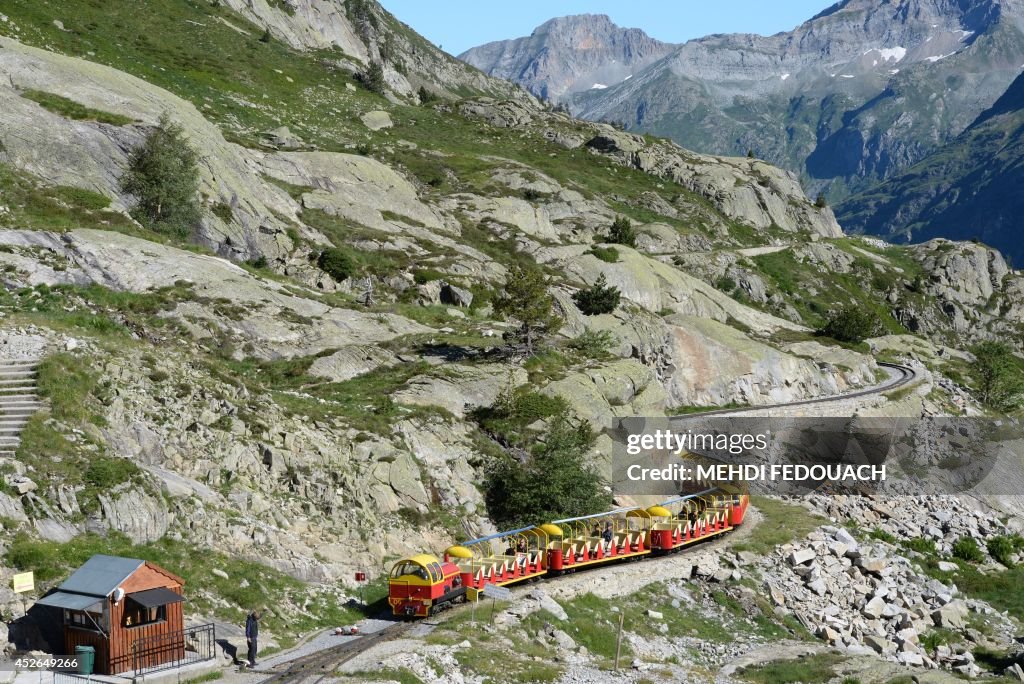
(521, 546)
(596, 532)
(510, 550)
(608, 534)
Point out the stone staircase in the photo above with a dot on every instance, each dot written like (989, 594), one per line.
(18, 401)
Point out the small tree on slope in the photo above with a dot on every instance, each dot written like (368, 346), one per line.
(526, 299)
(163, 176)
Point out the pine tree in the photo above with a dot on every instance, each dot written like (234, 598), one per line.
(526, 299)
(622, 233)
(373, 78)
(163, 176)
(599, 298)
(554, 481)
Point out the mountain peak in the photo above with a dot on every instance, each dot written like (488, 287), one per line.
(569, 54)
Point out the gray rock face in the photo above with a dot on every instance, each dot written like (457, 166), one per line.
(141, 517)
(747, 190)
(364, 35)
(275, 321)
(568, 55)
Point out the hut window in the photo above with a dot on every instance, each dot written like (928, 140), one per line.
(136, 615)
(80, 619)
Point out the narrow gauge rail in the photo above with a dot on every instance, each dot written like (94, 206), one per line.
(323, 663)
(421, 585)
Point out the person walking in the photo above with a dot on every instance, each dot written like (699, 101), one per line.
(252, 633)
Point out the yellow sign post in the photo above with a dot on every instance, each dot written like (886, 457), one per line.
(23, 582)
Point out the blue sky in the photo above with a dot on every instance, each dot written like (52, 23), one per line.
(458, 25)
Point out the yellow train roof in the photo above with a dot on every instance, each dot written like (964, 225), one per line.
(422, 559)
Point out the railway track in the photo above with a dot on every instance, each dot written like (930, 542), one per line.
(901, 376)
(319, 665)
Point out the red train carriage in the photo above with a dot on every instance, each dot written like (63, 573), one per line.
(689, 519)
(421, 585)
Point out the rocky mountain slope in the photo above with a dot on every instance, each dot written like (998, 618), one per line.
(854, 95)
(225, 391)
(568, 55)
(968, 189)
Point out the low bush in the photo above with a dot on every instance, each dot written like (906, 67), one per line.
(609, 255)
(1003, 548)
(336, 263)
(965, 548)
(851, 324)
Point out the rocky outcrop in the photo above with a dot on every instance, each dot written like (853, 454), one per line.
(461, 388)
(365, 32)
(263, 313)
(716, 364)
(92, 155)
(660, 288)
(743, 189)
(355, 187)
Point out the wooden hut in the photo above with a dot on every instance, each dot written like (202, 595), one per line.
(129, 610)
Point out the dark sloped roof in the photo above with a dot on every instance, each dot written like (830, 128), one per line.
(101, 574)
(60, 599)
(150, 598)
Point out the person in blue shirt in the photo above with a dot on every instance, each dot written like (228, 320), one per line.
(252, 633)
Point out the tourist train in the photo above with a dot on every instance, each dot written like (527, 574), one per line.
(424, 584)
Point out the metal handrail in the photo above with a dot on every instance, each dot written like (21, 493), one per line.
(199, 641)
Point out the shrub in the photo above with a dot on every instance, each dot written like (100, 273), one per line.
(425, 95)
(820, 202)
(336, 263)
(265, 38)
(921, 545)
(609, 255)
(622, 233)
(852, 323)
(1003, 547)
(965, 548)
(222, 210)
(600, 298)
(591, 344)
(725, 284)
(105, 472)
(422, 276)
(997, 379)
(881, 535)
(372, 78)
(163, 176)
